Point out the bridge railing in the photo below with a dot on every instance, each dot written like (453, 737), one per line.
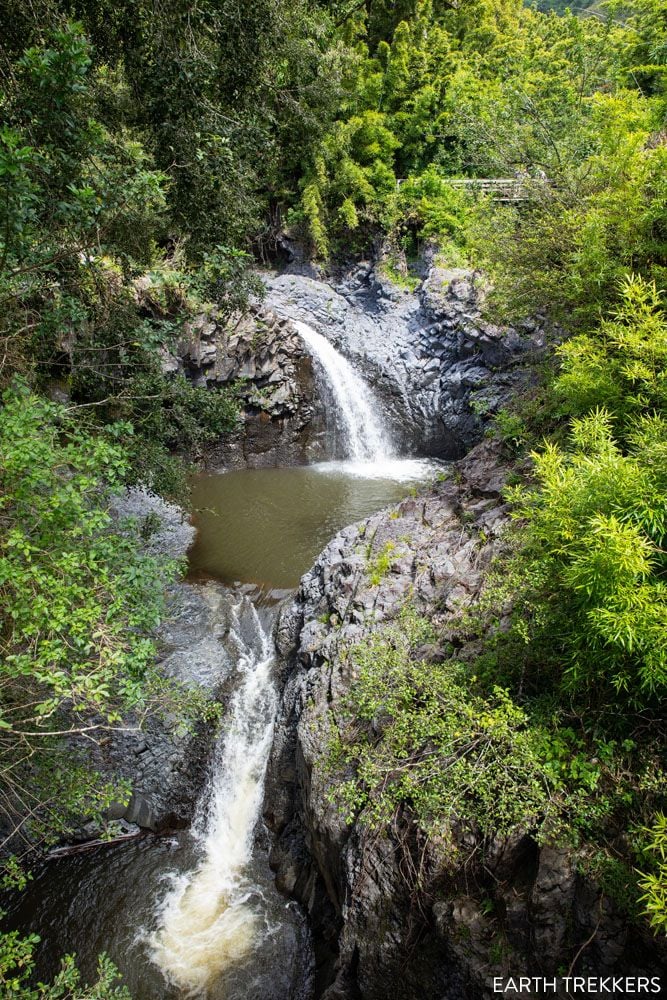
(503, 188)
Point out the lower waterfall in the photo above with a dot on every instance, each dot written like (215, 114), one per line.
(210, 917)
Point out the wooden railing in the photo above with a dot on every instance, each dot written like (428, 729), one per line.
(502, 188)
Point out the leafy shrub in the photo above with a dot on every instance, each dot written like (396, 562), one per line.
(417, 734)
(380, 562)
(81, 217)
(594, 539)
(590, 562)
(433, 207)
(621, 366)
(17, 968)
(654, 883)
(569, 251)
(511, 428)
(617, 880)
(80, 602)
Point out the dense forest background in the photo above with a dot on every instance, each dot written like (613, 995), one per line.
(151, 154)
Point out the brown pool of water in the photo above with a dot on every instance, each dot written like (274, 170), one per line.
(267, 526)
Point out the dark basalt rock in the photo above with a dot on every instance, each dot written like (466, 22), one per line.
(264, 358)
(377, 937)
(165, 761)
(440, 370)
(371, 940)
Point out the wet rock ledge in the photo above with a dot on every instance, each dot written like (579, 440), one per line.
(264, 358)
(166, 761)
(376, 938)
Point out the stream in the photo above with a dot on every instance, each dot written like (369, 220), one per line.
(196, 913)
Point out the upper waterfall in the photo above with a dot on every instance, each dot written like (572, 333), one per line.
(357, 411)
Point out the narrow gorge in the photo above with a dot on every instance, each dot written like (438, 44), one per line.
(196, 911)
(333, 499)
(257, 888)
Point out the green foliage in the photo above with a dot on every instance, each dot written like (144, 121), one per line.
(617, 880)
(379, 563)
(648, 48)
(398, 276)
(53, 504)
(594, 542)
(231, 97)
(621, 366)
(571, 251)
(80, 206)
(417, 733)
(12, 874)
(654, 883)
(584, 570)
(456, 748)
(489, 89)
(17, 967)
(511, 428)
(226, 98)
(351, 178)
(432, 207)
(595, 527)
(80, 219)
(80, 602)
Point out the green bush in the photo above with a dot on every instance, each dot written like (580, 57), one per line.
(594, 542)
(80, 602)
(416, 733)
(17, 969)
(433, 207)
(654, 883)
(584, 571)
(621, 366)
(569, 251)
(595, 521)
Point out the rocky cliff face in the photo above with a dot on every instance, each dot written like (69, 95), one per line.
(524, 909)
(263, 356)
(439, 368)
(478, 367)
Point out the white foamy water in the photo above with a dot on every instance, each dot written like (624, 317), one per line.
(210, 917)
(357, 411)
(398, 470)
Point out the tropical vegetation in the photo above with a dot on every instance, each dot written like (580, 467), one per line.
(151, 154)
